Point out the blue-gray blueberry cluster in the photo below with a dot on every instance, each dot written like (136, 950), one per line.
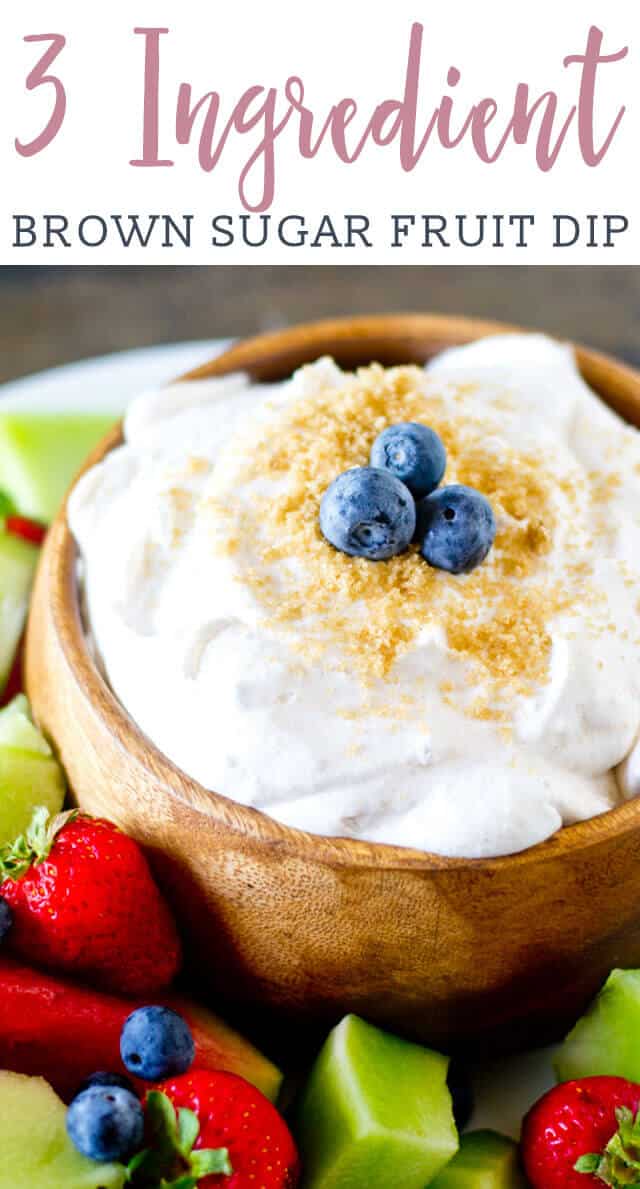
(376, 511)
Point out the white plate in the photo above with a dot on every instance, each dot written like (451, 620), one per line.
(110, 381)
(504, 1091)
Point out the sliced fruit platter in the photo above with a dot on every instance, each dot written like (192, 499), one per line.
(112, 1074)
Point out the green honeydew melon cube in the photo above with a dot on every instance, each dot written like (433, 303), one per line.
(606, 1040)
(35, 1151)
(17, 728)
(18, 560)
(40, 454)
(30, 775)
(376, 1111)
(485, 1160)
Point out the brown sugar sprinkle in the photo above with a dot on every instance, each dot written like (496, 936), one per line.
(197, 466)
(180, 498)
(363, 616)
(604, 485)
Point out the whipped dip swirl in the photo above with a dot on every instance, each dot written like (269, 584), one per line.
(469, 715)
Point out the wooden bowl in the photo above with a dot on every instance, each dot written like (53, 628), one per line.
(446, 950)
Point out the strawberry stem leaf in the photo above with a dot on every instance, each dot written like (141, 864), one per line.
(589, 1163)
(188, 1130)
(34, 846)
(211, 1160)
(619, 1165)
(136, 1163)
(169, 1161)
(161, 1119)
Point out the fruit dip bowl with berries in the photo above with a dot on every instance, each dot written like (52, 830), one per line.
(343, 627)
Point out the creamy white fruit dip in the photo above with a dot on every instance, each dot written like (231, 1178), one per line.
(469, 715)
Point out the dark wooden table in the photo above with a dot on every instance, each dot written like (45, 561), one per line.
(53, 315)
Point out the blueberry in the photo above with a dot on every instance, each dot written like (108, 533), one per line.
(459, 1084)
(106, 1123)
(105, 1079)
(367, 512)
(156, 1043)
(456, 528)
(6, 918)
(413, 453)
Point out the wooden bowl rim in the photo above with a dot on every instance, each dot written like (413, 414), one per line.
(247, 355)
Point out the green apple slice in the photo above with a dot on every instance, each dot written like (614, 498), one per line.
(30, 775)
(606, 1040)
(35, 1151)
(41, 452)
(485, 1160)
(18, 561)
(376, 1112)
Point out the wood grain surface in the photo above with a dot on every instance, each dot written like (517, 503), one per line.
(56, 315)
(446, 950)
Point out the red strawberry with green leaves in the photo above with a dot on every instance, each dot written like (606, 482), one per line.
(584, 1133)
(84, 902)
(216, 1131)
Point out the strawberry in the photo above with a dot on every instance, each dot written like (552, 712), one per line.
(84, 901)
(29, 530)
(61, 1031)
(584, 1133)
(215, 1130)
